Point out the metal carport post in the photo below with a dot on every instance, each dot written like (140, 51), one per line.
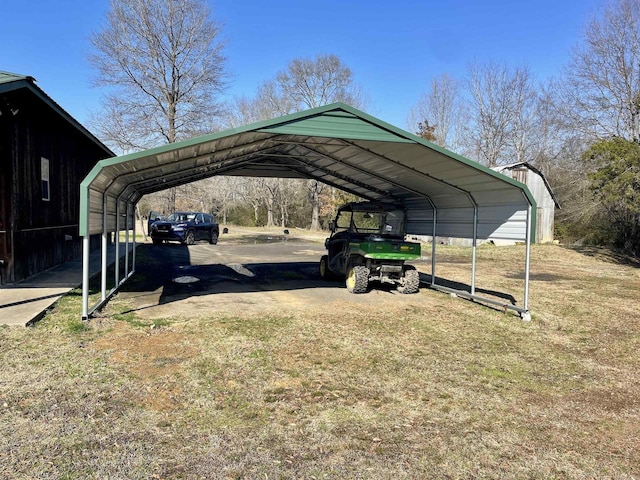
(524, 312)
(86, 310)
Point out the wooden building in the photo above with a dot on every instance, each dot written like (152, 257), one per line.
(533, 178)
(44, 155)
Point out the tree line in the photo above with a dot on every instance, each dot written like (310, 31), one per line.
(163, 64)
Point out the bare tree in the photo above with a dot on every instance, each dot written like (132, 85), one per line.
(500, 100)
(439, 109)
(291, 192)
(163, 64)
(525, 107)
(310, 83)
(224, 194)
(547, 136)
(268, 103)
(305, 83)
(315, 82)
(271, 188)
(602, 85)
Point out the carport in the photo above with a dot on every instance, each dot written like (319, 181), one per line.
(445, 195)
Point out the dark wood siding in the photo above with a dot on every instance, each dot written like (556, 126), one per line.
(6, 174)
(45, 233)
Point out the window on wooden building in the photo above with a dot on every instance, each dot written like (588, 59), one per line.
(44, 179)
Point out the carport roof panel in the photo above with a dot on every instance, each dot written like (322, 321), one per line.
(340, 145)
(336, 124)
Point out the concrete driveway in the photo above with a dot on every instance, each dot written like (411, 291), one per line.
(248, 274)
(25, 302)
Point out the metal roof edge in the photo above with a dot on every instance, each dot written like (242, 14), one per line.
(310, 113)
(28, 82)
(510, 166)
(223, 133)
(13, 77)
(408, 135)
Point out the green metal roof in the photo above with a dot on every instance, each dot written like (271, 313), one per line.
(6, 77)
(336, 124)
(337, 145)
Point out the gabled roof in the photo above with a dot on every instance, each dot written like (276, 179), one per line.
(10, 82)
(334, 144)
(512, 166)
(8, 77)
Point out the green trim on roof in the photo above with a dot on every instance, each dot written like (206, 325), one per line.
(7, 77)
(336, 124)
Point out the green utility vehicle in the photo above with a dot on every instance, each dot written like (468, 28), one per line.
(367, 243)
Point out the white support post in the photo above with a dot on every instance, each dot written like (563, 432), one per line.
(103, 250)
(133, 249)
(433, 248)
(117, 241)
(473, 253)
(126, 241)
(527, 260)
(85, 277)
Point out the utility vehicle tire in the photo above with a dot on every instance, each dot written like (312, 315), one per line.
(325, 273)
(410, 283)
(157, 241)
(213, 238)
(357, 279)
(190, 239)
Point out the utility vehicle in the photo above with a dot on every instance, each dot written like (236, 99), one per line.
(367, 244)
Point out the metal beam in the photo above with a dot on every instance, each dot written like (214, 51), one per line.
(464, 294)
(85, 264)
(411, 169)
(197, 157)
(103, 249)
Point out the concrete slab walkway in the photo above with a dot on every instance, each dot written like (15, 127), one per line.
(27, 301)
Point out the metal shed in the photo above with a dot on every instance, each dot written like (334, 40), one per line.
(445, 194)
(539, 187)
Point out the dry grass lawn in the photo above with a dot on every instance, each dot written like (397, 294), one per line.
(434, 387)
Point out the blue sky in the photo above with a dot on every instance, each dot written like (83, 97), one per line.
(393, 48)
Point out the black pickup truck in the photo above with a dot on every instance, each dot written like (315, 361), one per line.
(185, 227)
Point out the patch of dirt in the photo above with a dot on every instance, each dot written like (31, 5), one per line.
(154, 355)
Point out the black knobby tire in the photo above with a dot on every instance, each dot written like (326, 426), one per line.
(213, 238)
(358, 279)
(410, 282)
(325, 273)
(156, 241)
(190, 239)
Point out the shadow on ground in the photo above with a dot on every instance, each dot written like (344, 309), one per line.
(170, 271)
(425, 279)
(606, 254)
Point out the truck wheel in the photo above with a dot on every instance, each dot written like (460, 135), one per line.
(213, 238)
(410, 282)
(358, 279)
(156, 241)
(190, 239)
